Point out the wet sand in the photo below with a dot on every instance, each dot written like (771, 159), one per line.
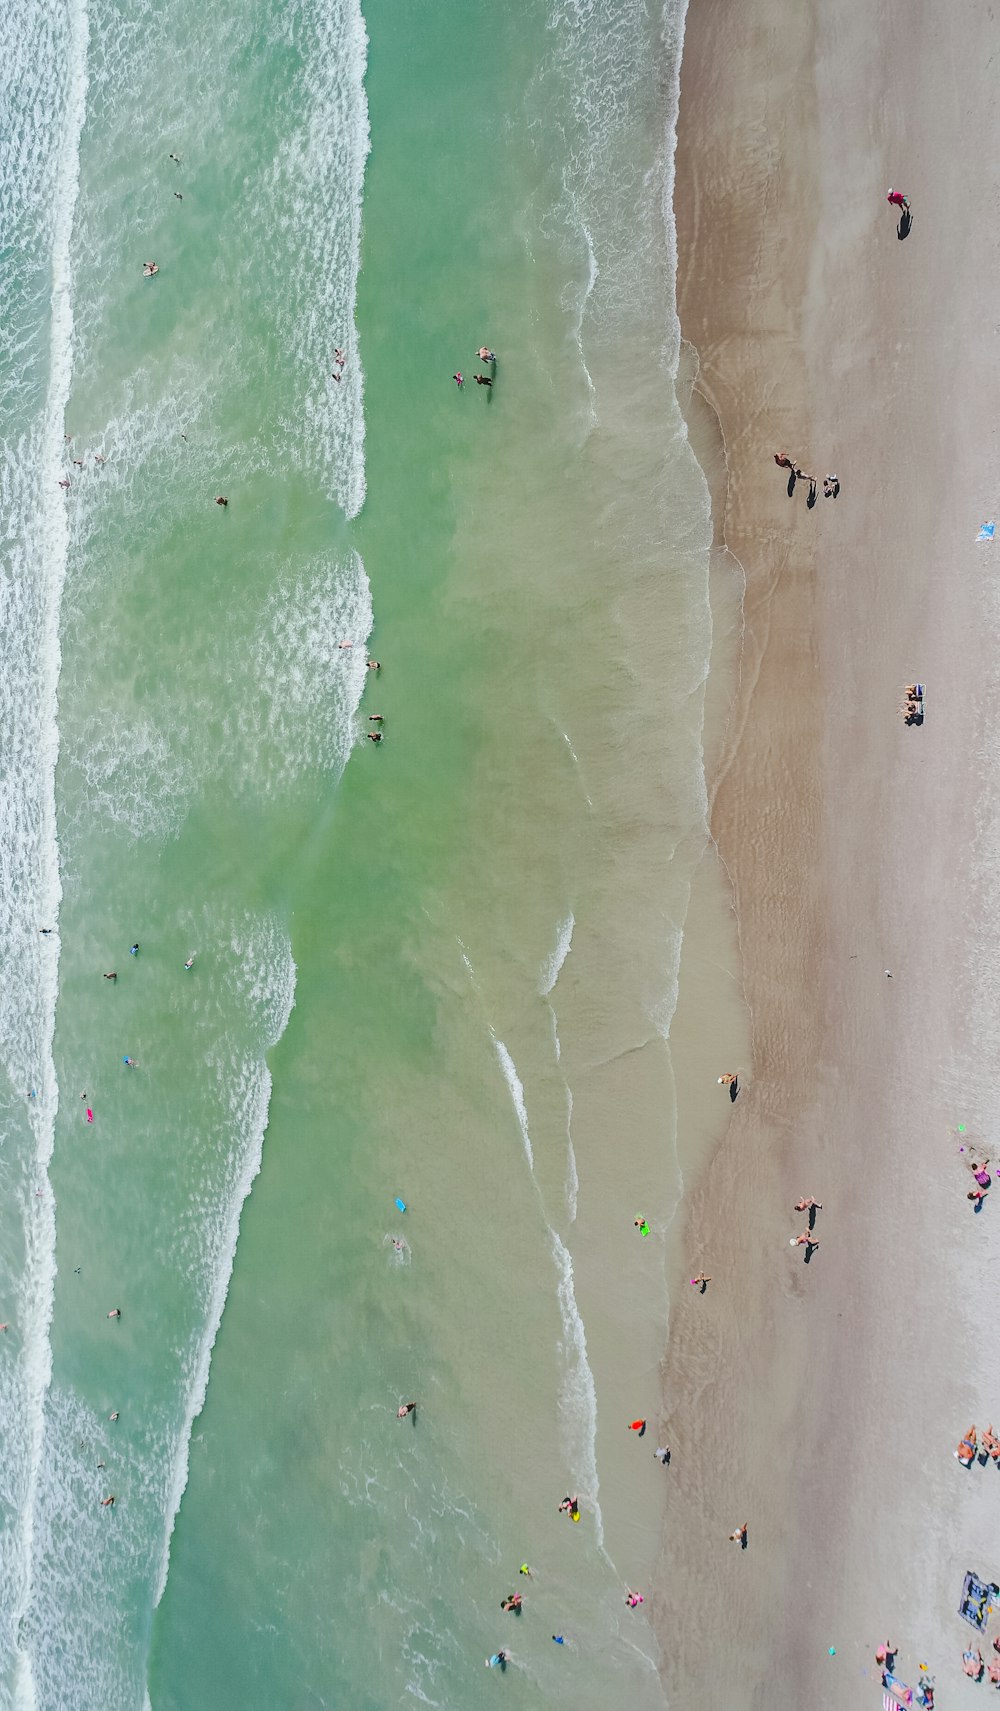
(822, 1401)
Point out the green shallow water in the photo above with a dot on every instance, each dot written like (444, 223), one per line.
(538, 562)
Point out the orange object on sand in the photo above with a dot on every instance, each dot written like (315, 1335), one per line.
(638, 1426)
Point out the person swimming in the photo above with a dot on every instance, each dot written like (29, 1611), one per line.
(190, 961)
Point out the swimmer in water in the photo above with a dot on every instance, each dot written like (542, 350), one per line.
(175, 158)
(113, 1416)
(133, 950)
(374, 736)
(404, 1409)
(149, 268)
(459, 378)
(115, 1313)
(484, 380)
(374, 718)
(485, 354)
(190, 962)
(129, 1062)
(399, 1246)
(179, 195)
(90, 1115)
(373, 665)
(220, 499)
(108, 1502)
(112, 974)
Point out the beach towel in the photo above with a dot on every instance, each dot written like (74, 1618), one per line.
(986, 531)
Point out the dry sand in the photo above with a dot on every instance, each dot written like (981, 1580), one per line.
(822, 1402)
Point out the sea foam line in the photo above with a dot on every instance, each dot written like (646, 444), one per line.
(220, 1289)
(40, 1267)
(552, 967)
(578, 1394)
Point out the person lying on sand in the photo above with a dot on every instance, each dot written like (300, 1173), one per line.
(991, 1444)
(966, 1452)
(972, 1663)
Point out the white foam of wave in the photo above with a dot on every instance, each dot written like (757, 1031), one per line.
(578, 1394)
(579, 297)
(572, 1174)
(265, 974)
(552, 967)
(316, 191)
(49, 127)
(291, 706)
(516, 1092)
(576, 762)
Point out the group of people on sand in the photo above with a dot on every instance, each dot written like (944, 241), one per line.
(911, 708)
(974, 1667)
(486, 356)
(972, 1448)
(831, 483)
(982, 1179)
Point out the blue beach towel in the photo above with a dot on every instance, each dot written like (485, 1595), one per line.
(986, 532)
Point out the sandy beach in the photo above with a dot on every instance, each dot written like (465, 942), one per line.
(822, 1401)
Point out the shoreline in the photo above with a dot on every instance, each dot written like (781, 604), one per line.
(852, 848)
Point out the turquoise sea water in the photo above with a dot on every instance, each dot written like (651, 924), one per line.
(443, 968)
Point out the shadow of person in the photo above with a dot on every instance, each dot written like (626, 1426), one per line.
(808, 1254)
(734, 1088)
(905, 222)
(812, 1217)
(744, 1539)
(703, 1288)
(790, 489)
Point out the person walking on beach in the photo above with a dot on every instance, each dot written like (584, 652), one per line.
(783, 460)
(807, 1240)
(896, 199)
(731, 1080)
(740, 1536)
(638, 1426)
(701, 1282)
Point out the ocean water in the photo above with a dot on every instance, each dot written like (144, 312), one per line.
(443, 968)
